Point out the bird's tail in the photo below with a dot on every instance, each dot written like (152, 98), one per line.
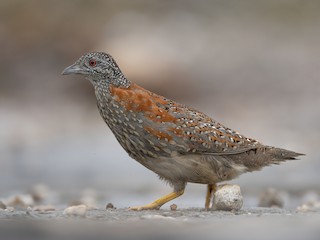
(278, 155)
(255, 159)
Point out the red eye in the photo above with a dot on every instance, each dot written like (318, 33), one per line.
(92, 62)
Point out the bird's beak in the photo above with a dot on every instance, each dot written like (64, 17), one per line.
(73, 69)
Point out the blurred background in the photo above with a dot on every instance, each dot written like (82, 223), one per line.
(252, 65)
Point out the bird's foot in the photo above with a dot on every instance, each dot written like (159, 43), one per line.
(151, 206)
(159, 202)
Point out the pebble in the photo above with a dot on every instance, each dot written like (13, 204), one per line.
(228, 198)
(271, 198)
(79, 210)
(173, 207)
(2, 205)
(110, 205)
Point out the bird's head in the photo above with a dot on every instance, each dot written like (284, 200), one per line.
(98, 67)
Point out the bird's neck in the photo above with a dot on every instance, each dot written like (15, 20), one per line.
(102, 87)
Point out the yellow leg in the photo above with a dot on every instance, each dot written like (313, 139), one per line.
(211, 188)
(159, 202)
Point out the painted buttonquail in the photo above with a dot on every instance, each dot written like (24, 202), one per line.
(178, 143)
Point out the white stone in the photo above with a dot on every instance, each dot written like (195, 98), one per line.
(79, 210)
(227, 198)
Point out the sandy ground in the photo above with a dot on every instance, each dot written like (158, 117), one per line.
(190, 223)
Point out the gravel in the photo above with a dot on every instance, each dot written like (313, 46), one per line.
(48, 216)
(248, 223)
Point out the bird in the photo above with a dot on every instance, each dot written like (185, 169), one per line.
(180, 144)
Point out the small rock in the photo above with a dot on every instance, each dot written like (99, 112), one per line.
(29, 209)
(271, 198)
(227, 198)
(110, 205)
(2, 205)
(79, 210)
(312, 206)
(173, 207)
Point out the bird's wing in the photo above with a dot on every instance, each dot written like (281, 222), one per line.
(201, 134)
(179, 127)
